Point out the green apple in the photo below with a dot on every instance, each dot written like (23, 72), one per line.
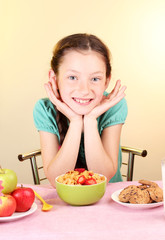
(9, 180)
(7, 205)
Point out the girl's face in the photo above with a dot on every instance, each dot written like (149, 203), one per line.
(82, 80)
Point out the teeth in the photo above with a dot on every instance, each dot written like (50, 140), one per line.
(81, 101)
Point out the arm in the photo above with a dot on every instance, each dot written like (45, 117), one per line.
(102, 152)
(57, 161)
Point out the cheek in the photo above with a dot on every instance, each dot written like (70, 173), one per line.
(100, 95)
(63, 95)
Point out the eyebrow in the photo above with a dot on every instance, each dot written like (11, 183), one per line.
(93, 73)
(98, 72)
(71, 70)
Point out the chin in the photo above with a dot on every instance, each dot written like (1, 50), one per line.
(82, 112)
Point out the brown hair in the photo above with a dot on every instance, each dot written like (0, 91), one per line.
(80, 41)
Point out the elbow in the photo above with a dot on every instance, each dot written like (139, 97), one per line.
(112, 172)
(51, 181)
(51, 178)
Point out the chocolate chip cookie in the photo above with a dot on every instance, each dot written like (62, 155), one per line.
(140, 197)
(149, 183)
(125, 194)
(145, 193)
(156, 194)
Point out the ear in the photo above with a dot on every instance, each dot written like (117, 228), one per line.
(107, 82)
(52, 77)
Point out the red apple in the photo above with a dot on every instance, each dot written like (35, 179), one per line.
(7, 205)
(24, 198)
(9, 180)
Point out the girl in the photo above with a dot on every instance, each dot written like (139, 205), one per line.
(80, 124)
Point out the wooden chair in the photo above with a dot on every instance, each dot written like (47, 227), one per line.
(132, 152)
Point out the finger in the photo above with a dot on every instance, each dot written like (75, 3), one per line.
(117, 85)
(55, 89)
(118, 97)
(121, 91)
(50, 92)
(47, 88)
(121, 94)
(115, 90)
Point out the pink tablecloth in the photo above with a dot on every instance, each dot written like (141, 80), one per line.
(103, 220)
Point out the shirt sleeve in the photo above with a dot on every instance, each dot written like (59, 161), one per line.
(115, 115)
(44, 115)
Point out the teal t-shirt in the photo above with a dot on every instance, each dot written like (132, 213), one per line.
(45, 120)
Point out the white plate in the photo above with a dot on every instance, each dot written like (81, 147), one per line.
(115, 195)
(18, 215)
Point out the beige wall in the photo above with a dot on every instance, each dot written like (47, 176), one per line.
(134, 32)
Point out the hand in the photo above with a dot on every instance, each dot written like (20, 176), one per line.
(54, 97)
(108, 101)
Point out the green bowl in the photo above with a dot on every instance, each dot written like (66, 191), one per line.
(80, 195)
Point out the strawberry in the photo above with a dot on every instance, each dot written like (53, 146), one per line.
(90, 181)
(81, 180)
(91, 173)
(80, 170)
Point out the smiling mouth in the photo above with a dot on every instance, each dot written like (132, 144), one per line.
(82, 101)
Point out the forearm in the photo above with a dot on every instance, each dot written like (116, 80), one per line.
(98, 160)
(66, 157)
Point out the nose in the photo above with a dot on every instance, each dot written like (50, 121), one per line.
(83, 87)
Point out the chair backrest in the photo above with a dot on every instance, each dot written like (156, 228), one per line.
(32, 156)
(132, 152)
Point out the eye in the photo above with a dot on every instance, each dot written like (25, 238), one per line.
(95, 79)
(72, 77)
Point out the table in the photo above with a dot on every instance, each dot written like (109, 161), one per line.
(103, 220)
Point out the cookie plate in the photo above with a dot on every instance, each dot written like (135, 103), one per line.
(115, 198)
